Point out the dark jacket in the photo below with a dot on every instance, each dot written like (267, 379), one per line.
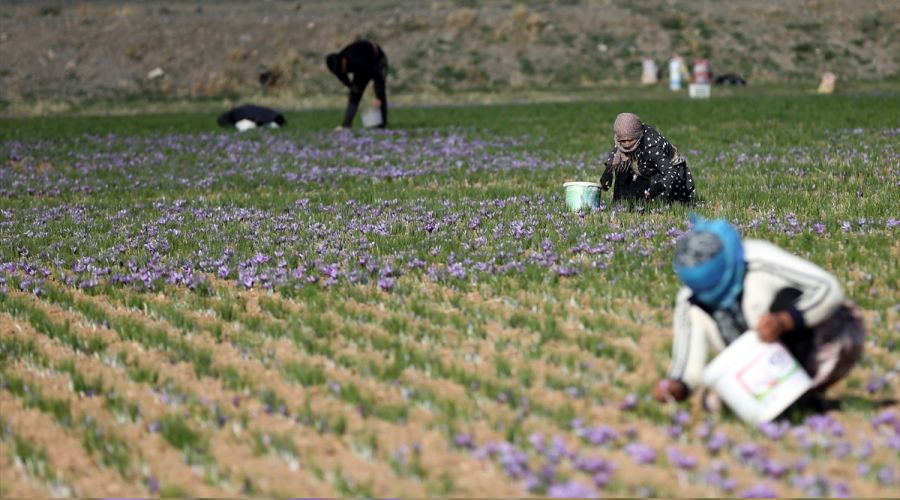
(659, 171)
(364, 59)
(259, 115)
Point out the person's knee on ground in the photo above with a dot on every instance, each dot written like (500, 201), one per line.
(833, 360)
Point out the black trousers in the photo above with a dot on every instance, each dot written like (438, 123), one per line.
(360, 81)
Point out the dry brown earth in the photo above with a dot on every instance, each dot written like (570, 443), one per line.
(60, 50)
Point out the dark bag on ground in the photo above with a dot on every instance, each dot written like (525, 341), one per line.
(259, 116)
(730, 79)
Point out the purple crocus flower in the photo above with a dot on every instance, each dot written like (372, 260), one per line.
(886, 417)
(748, 451)
(886, 475)
(464, 441)
(571, 489)
(629, 403)
(593, 465)
(386, 283)
(717, 442)
(602, 478)
(876, 384)
(728, 484)
(641, 453)
(840, 490)
(599, 435)
(758, 491)
(153, 485)
(681, 460)
(557, 450)
(537, 441)
(774, 430)
(843, 449)
(774, 469)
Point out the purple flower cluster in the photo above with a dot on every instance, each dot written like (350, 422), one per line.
(349, 242)
(538, 467)
(97, 163)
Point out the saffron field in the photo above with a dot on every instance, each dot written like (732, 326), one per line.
(187, 311)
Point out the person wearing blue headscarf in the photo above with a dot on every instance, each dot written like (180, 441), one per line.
(733, 285)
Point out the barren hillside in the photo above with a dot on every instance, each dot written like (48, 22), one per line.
(74, 50)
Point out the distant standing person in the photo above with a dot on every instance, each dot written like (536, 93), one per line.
(644, 165)
(366, 61)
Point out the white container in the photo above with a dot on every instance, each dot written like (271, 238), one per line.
(699, 90)
(245, 124)
(757, 380)
(371, 117)
(649, 73)
(675, 73)
(582, 195)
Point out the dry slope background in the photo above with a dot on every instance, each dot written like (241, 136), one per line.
(72, 51)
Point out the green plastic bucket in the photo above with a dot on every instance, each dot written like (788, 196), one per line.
(582, 195)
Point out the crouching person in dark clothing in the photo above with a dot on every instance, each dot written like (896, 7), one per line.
(366, 61)
(644, 165)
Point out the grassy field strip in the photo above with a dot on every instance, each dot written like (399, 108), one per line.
(77, 470)
(737, 430)
(160, 458)
(149, 399)
(444, 359)
(533, 425)
(483, 353)
(187, 380)
(284, 391)
(557, 430)
(854, 489)
(31, 462)
(166, 463)
(257, 425)
(283, 350)
(336, 322)
(15, 481)
(543, 427)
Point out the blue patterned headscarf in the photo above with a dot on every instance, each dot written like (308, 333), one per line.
(709, 260)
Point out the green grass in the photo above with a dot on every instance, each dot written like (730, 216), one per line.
(540, 347)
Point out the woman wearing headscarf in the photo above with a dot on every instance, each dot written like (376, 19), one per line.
(731, 286)
(644, 165)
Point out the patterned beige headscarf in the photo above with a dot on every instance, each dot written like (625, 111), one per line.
(627, 126)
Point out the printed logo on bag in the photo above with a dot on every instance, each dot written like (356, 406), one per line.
(765, 372)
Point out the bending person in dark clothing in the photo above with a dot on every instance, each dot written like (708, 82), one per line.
(366, 61)
(645, 165)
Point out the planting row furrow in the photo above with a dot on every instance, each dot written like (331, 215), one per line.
(277, 395)
(241, 445)
(15, 479)
(76, 472)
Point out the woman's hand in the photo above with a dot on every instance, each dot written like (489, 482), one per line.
(668, 389)
(606, 179)
(772, 326)
(654, 190)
